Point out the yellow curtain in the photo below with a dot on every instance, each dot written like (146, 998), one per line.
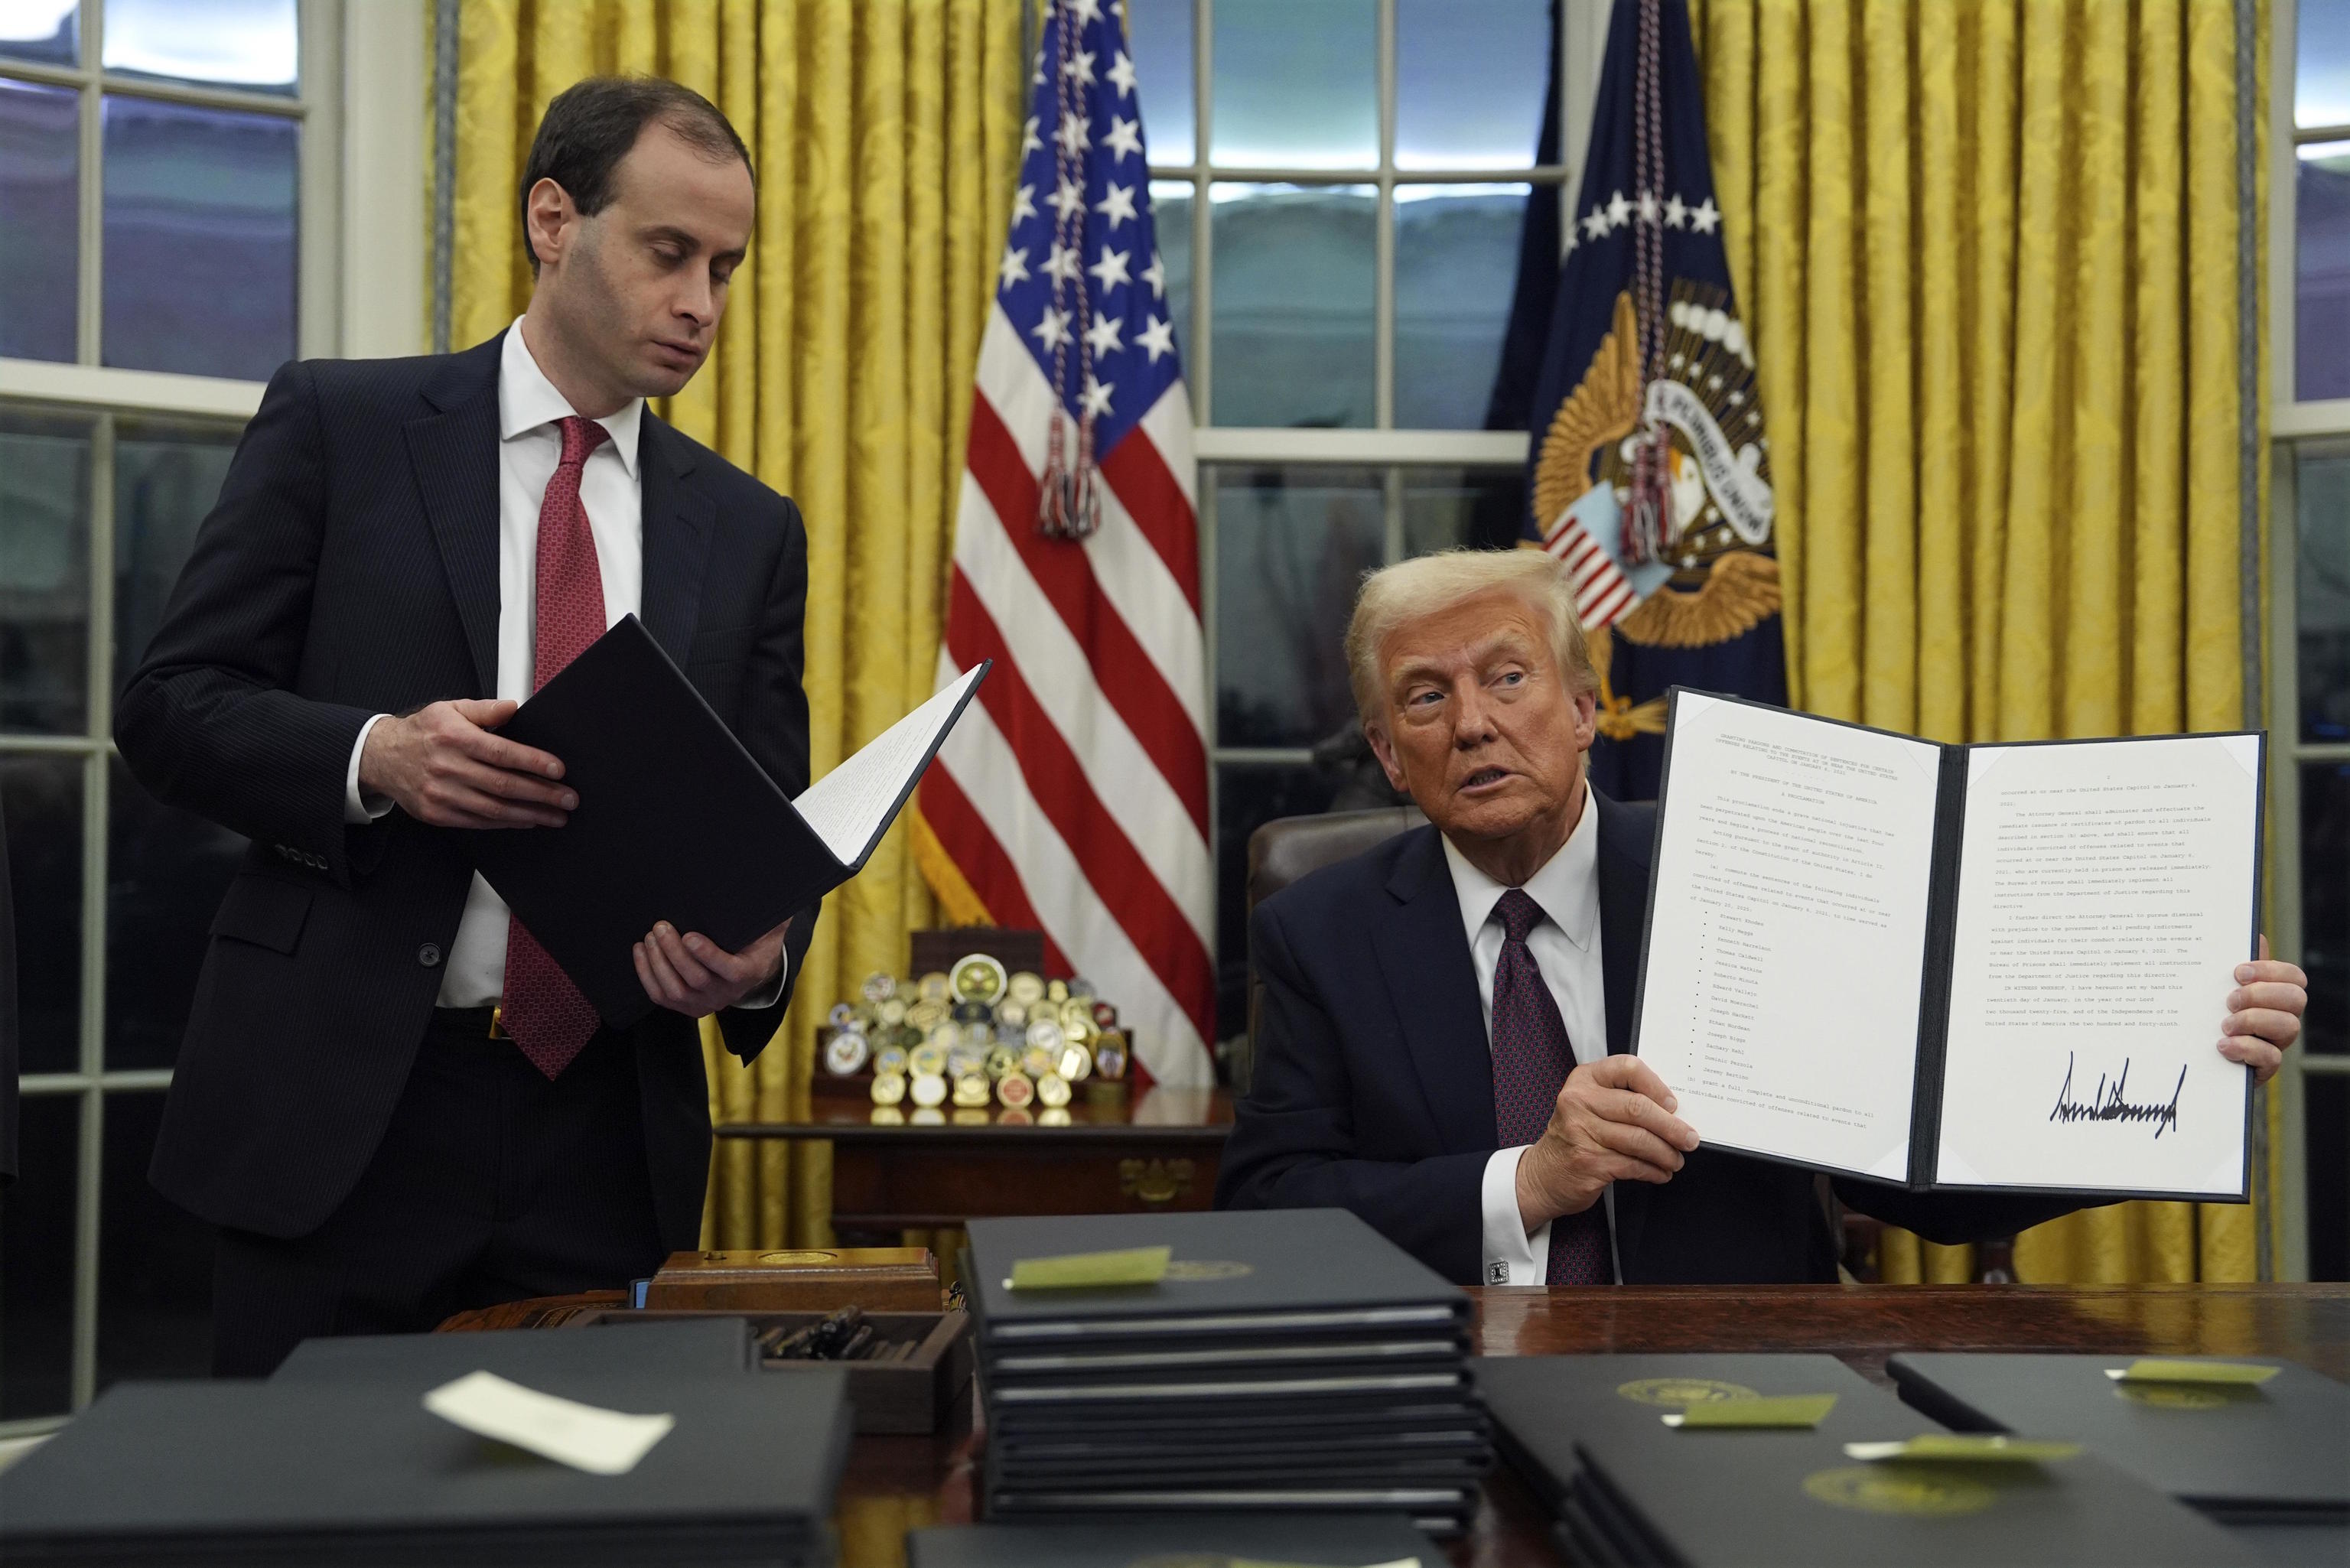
(1988, 252)
(885, 138)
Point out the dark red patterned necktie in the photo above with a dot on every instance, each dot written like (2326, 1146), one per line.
(544, 1012)
(1532, 1059)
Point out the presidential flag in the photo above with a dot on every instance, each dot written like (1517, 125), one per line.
(1073, 796)
(1650, 472)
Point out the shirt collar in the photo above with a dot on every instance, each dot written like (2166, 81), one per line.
(1566, 886)
(528, 400)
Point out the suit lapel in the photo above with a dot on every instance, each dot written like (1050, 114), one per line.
(1424, 957)
(678, 521)
(1623, 920)
(454, 453)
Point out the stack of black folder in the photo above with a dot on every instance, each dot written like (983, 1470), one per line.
(1291, 1360)
(1587, 1432)
(337, 1461)
(2270, 1460)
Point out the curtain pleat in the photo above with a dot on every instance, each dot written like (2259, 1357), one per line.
(1989, 250)
(884, 139)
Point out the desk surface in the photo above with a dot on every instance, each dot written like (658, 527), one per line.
(894, 1484)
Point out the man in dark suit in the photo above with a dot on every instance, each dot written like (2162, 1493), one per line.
(1443, 1044)
(389, 1100)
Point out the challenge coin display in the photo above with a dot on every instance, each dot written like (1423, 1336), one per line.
(979, 979)
(1076, 1063)
(888, 1088)
(973, 1089)
(928, 1089)
(878, 987)
(928, 1060)
(1052, 1091)
(1015, 1090)
(844, 1055)
(889, 1059)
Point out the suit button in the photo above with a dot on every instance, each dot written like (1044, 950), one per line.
(428, 955)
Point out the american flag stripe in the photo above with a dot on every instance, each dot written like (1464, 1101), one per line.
(951, 816)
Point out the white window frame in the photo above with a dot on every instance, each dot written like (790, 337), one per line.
(361, 291)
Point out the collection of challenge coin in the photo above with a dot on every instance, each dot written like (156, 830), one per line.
(975, 1037)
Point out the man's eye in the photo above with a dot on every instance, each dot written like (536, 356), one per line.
(1511, 676)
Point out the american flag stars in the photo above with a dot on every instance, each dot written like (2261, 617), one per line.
(1620, 213)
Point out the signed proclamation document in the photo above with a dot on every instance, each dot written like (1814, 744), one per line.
(1996, 966)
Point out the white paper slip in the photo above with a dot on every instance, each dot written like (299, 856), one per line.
(601, 1442)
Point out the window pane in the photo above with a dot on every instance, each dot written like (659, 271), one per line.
(1456, 270)
(165, 874)
(1460, 509)
(1159, 34)
(1294, 294)
(37, 1255)
(2325, 904)
(1291, 545)
(2320, 348)
(154, 1260)
(2322, 494)
(44, 30)
(44, 574)
(1470, 82)
(1296, 84)
(2321, 94)
(1247, 798)
(40, 231)
(166, 479)
(199, 230)
(1170, 220)
(246, 44)
(41, 798)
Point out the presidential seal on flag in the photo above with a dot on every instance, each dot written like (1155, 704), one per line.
(1650, 465)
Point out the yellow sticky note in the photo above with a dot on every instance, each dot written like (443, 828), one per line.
(1969, 1446)
(1077, 1270)
(1803, 1410)
(2155, 1369)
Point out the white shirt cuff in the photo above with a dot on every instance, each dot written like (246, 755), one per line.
(1511, 1257)
(773, 991)
(357, 812)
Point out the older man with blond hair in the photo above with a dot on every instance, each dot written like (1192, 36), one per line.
(1444, 1046)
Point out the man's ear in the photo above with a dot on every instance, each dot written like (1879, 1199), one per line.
(1586, 719)
(550, 211)
(1384, 750)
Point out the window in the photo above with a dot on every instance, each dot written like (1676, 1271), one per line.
(2309, 552)
(1341, 188)
(169, 231)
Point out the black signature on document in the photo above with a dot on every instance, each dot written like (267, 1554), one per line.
(2108, 1105)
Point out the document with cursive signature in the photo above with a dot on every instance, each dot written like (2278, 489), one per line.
(1989, 966)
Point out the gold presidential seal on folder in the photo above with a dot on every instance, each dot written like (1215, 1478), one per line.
(1679, 1391)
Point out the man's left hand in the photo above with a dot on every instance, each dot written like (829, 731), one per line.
(2263, 1014)
(693, 975)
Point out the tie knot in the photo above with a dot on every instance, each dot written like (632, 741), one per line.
(1518, 913)
(580, 437)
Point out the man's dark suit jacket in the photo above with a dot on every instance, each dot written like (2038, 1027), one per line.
(1373, 1085)
(350, 568)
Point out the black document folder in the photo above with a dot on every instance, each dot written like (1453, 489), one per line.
(2273, 1448)
(678, 822)
(1200, 1539)
(696, 1347)
(170, 1473)
(1988, 967)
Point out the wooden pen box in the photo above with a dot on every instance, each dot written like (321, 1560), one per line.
(926, 1391)
(878, 1278)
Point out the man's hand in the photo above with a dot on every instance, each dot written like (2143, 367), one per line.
(1613, 1122)
(693, 975)
(442, 765)
(2263, 1014)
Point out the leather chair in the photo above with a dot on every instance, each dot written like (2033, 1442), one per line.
(1289, 848)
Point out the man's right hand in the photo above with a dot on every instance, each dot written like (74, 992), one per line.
(442, 765)
(1613, 1122)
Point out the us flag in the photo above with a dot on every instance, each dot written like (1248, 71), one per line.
(1073, 796)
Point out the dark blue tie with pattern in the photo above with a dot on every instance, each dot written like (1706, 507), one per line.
(1532, 1059)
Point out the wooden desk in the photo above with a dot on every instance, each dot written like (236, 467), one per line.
(1156, 1152)
(895, 1484)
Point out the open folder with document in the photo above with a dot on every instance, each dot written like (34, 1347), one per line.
(678, 822)
(1987, 966)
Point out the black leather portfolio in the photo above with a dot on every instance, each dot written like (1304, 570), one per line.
(696, 1347)
(360, 1472)
(676, 822)
(2277, 1447)
(1157, 1540)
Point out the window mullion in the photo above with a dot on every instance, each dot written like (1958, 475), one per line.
(1383, 244)
(1204, 269)
(88, 347)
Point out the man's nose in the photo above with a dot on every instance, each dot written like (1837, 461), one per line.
(699, 303)
(1473, 717)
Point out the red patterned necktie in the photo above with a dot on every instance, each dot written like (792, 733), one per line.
(544, 1012)
(1532, 1059)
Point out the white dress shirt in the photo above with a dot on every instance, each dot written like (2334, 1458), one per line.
(1565, 949)
(530, 444)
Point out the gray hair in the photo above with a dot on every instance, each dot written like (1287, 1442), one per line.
(1394, 595)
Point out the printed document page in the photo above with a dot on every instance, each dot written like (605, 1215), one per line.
(2104, 900)
(850, 807)
(1787, 933)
